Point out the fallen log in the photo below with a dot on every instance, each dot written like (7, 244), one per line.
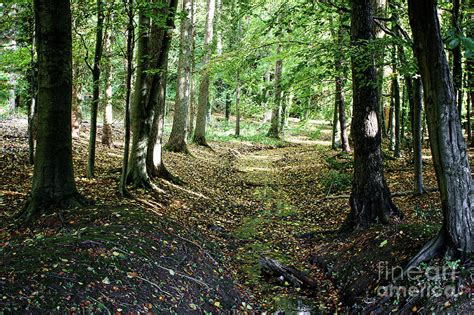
(273, 268)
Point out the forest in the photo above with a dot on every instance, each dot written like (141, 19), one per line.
(236, 157)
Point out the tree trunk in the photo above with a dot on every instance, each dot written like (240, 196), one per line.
(178, 138)
(203, 100)
(417, 130)
(32, 103)
(155, 165)
(107, 136)
(128, 91)
(340, 102)
(76, 115)
(238, 92)
(141, 119)
(228, 104)
(370, 198)
(396, 108)
(284, 106)
(448, 148)
(53, 178)
(96, 89)
(192, 97)
(334, 143)
(274, 131)
(380, 8)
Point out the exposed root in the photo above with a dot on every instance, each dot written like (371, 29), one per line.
(432, 249)
(38, 205)
(163, 173)
(180, 147)
(202, 142)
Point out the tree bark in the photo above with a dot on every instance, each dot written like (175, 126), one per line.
(178, 138)
(203, 100)
(53, 178)
(370, 197)
(448, 148)
(96, 89)
(141, 119)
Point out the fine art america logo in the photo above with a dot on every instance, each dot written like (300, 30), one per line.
(431, 281)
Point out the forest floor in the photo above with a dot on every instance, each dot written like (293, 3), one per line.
(196, 247)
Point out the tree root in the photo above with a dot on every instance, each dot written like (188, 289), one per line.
(433, 248)
(38, 205)
(181, 147)
(202, 142)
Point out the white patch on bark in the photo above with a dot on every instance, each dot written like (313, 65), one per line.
(371, 125)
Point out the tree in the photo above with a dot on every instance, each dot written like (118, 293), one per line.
(107, 135)
(203, 100)
(141, 118)
(95, 69)
(447, 143)
(128, 4)
(53, 177)
(339, 80)
(238, 93)
(274, 131)
(417, 130)
(150, 84)
(155, 165)
(178, 137)
(370, 197)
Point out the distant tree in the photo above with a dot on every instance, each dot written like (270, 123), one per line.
(53, 179)
(96, 71)
(417, 130)
(448, 148)
(178, 137)
(107, 133)
(203, 100)
(128, 5)
(370, 199)
(274, 131)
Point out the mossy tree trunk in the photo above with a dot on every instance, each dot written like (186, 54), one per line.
(370, 197)
(141, 119)
(53, 178)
